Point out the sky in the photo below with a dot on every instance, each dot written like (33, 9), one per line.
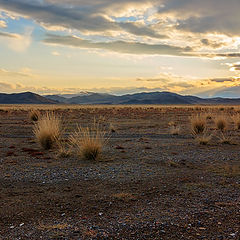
(190, 47)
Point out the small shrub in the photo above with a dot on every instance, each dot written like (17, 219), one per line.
(221, 122)
(48, 130)
(34, 115)
(89, 141)
(198, 124)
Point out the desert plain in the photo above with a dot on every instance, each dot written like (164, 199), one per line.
(150, 182)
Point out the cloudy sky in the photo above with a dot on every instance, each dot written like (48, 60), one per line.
(120, 46)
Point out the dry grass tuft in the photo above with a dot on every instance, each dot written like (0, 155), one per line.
(48, 130)
(34, 115)
(48, 227)
(124, 196)
(204, 138)
(112, 128)
(198, 124)
(226, 170)
(225, 139)
(236, 120)
(64, 150)
(221, 122)
(89, 141)
(175, 130)
(171, 123)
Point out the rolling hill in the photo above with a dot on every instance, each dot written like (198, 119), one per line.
(24, 98)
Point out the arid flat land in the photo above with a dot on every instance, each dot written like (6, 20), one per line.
(148, 184)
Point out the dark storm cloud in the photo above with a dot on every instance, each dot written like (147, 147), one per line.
(78, 15)
(139, 30)
(81, 18)
(190, 15)
(205, 15)
(118, 46)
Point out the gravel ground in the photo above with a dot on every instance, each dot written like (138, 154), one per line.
(149, 184)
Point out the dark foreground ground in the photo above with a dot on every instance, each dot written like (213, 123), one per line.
(149, 184)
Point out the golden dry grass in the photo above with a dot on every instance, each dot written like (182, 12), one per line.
(123, 196)
(175, 130)
(221, 122)
(224, 138)
(226, 170)
(112, 128)
(47, 130)
(198, 124)
(59, 226)
(236, 120)
(204, 138)
(89, 141)
(34, 115)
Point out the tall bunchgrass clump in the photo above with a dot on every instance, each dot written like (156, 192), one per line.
(89, 141)
(47, 130)
(198, 124)
(221, 122)
(199, 129)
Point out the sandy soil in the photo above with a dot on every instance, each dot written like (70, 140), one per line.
(149, 184)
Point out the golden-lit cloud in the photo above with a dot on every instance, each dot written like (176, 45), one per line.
(8, 35)
(22, 73)
(3, 24)
(234, 67)
(55, 53)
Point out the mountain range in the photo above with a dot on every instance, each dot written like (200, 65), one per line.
(100, 98)
(140, 98)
